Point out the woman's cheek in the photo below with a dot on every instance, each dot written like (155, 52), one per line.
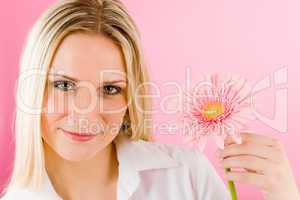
(114, 123)
(112, 105)
(56, 102)
(113, 111)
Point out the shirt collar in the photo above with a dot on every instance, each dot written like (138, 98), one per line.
(142, 155)
(133, 156)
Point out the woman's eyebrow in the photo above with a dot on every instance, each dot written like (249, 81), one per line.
(76, 80)
(114, 81)
(64, 76)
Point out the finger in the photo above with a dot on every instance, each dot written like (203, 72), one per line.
(253, 149)
(247, 178)
(247, 162)
(253, 138)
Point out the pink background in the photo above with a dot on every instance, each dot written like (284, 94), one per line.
(250, 38)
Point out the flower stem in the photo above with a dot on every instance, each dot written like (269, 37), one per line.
(231, 187)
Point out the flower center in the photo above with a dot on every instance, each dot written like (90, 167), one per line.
(213, 110)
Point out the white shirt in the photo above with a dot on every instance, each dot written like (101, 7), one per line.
(152, 171)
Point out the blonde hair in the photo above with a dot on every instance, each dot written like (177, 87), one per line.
(108, 17)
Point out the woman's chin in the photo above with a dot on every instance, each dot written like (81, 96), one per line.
(75, 151)
(77, 156)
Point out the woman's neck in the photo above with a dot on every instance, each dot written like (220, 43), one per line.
(78, 180)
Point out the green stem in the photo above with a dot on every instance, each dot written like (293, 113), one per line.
(231, 187)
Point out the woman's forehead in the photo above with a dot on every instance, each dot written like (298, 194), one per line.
(83, 52)
(85, 56)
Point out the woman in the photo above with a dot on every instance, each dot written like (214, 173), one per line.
(80, 131)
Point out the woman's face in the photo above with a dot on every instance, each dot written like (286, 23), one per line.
(85, 98)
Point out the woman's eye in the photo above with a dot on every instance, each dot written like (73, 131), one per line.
(64, 85)
(112, 90)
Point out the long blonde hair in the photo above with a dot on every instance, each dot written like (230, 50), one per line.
(108, 17)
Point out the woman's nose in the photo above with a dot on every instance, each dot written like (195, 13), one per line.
(85, 100)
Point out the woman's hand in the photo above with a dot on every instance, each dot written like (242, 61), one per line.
(265, 165)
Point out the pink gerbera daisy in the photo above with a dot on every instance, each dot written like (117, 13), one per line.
(216, 108)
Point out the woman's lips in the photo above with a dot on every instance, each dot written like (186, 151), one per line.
(81, 137)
